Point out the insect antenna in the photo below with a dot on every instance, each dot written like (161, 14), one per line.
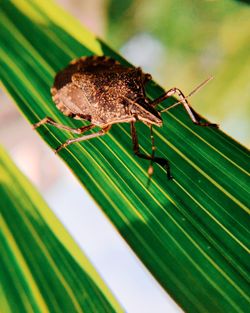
(190, 94)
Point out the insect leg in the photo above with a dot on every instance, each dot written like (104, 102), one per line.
(49, 120)
(161, 161)
(101, 132)
(150, 169)
(195, 117)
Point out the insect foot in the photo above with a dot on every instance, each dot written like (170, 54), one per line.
(207, 124)
(61, 147)
(150, 170)
(43, 121)
(165, 164)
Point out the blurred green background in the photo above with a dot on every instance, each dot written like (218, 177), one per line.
(182, 42)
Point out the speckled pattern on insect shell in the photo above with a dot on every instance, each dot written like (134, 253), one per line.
(98, 89)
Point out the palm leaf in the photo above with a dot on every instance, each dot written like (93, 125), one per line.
(41, 267)
(192, 232)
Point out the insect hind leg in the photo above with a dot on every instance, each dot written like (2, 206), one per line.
(136, 148)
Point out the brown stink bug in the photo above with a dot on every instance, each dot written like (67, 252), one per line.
(105, 92)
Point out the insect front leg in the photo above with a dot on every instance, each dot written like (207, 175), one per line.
(101, 132)
(195, 117)
(49, 120)
(136, 148)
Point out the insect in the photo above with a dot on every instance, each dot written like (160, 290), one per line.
(104, 92)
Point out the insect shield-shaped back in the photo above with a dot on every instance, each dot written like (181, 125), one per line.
(103, 91)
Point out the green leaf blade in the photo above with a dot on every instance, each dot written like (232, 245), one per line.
(41, 272)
